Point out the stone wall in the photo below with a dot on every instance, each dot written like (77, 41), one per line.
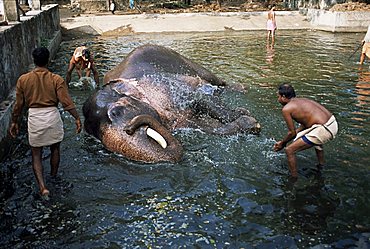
(350, 21)
(91, 5)
(17, 40)
(103, 5)
(315, 4)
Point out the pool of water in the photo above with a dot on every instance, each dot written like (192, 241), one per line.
(227, 192)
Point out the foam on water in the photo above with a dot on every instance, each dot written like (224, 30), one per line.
(84, 83)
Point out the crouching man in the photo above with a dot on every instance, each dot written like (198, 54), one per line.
(317, 126)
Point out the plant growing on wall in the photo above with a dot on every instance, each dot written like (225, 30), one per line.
(44, 42)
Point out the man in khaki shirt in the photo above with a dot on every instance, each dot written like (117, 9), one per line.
(40, 91)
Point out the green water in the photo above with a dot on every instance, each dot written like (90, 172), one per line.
(228, 192)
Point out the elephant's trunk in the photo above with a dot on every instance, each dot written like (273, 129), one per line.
(171, 148)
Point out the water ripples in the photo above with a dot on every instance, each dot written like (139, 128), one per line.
(228, 191)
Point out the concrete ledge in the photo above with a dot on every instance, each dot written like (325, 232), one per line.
(5, 114)
(6, 108)
(349, 21)
(185, 22)
(54, 42)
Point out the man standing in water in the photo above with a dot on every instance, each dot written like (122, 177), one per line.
(317, 126)
(271, 25)
(40, 91)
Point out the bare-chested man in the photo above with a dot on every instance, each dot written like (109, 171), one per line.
(317, 126)
(82, 60)
(271, 25)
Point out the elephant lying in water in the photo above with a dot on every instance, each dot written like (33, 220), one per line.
(151, 93)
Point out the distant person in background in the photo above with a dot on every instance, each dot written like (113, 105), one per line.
(365, 46)
(40, 91)
(82, 60)
(132, 4)
(20, 8)
(271, 25)
(30, 4)
(112, 7)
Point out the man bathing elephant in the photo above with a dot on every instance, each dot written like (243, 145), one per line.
(153, 92)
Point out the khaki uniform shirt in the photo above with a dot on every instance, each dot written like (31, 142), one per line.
(40, 88)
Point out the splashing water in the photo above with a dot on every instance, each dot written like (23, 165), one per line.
(228, 191)
(84, 83)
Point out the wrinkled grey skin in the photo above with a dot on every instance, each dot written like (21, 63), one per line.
(158, 88)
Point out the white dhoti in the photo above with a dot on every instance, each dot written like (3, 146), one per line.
(45, 126)
(319, 134)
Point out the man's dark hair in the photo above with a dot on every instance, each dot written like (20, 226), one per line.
(41, 56)
(86, 53)
(286, 91)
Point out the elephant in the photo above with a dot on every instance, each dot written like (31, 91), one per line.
(150, 94)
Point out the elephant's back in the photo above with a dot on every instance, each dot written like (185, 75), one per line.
(150, 60)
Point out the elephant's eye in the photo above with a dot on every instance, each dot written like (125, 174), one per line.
(116, 113)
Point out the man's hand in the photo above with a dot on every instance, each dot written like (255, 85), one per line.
(78, 125)
(13, 130)
(278, 146)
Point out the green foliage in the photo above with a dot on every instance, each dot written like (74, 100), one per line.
(44, 42)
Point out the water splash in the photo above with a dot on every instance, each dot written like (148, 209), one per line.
(84, 83)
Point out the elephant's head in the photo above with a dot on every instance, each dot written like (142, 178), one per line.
(132, 128)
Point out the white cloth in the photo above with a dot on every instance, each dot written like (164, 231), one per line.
(45, 126)
(320, 134)
(78, 52)
(112, 6)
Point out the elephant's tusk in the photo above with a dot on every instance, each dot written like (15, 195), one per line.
(157, 137)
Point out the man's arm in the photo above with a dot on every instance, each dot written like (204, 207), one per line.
(17, 110)
(74, 113)
(362, 58)
(96, 74)
(363, 52)
(299, 129)
(69, 72)
(291, 130)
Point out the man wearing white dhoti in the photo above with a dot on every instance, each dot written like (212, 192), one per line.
(317, 126)
(40, 91)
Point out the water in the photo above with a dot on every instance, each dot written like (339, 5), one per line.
(228, 192)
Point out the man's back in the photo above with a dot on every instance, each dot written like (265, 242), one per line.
(39, 88)
(307, 112)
